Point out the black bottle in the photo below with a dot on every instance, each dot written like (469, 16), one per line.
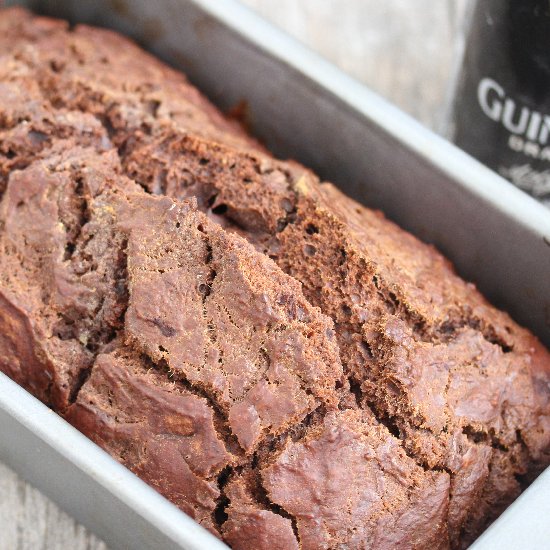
(502, 105)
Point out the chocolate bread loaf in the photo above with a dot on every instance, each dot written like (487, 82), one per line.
(287, 366)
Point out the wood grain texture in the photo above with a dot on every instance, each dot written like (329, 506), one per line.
(404, 50)
(30, 521)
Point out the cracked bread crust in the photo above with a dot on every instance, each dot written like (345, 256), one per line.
(162, 432)
(221, 366)
(459, 392)
(249, 525)
(388, 500)
(225, 319)
(62, 270)
(459, 382)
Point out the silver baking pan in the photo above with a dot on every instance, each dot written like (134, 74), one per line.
(301, 107)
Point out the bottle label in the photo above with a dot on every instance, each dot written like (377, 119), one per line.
(529, 128)
(528, 134)
(502, 108)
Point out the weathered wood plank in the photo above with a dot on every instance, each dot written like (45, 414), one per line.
(403, 49)
(30, 521)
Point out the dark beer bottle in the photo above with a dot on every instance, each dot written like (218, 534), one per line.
(502, 105)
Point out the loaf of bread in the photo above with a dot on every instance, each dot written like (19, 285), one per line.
(287, 366)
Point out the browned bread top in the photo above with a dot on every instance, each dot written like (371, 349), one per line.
(437, 404)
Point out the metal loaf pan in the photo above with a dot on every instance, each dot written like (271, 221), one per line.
(304, 108)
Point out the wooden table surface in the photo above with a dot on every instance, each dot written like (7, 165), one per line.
(403, 49)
